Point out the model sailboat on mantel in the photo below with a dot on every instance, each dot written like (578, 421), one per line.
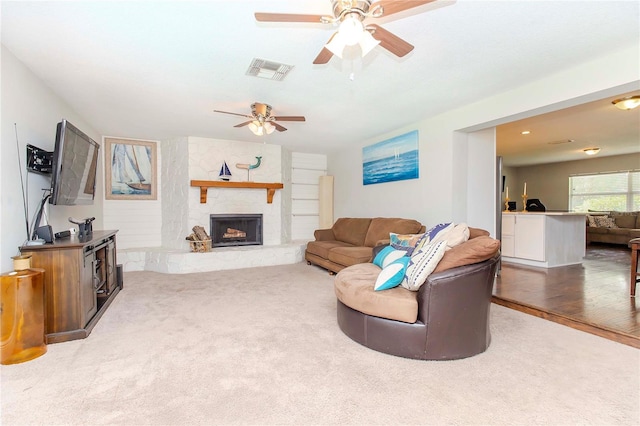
(225, 173)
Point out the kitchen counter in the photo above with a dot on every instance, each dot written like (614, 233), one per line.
(543, 239)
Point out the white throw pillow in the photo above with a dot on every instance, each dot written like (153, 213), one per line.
(422, 264)
(453, 235)
(435, 231)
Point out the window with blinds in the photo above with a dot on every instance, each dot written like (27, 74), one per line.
(605, 191)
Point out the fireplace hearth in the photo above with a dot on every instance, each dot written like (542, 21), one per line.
(235, 229)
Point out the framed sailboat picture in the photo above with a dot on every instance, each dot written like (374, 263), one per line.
(130, 169)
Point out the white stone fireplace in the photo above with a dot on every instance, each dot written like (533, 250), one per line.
(206, 156)
(195, 158)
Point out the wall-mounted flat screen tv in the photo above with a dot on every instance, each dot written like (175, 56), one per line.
(75, 161)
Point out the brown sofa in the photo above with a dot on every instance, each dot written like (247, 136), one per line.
(351, 240)
(447, 318)
(627, 227)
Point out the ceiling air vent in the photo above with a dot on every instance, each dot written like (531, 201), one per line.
(269, 70)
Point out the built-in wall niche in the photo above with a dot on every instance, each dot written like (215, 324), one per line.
(311, 199)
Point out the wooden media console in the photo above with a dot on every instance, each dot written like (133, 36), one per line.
(81, 280)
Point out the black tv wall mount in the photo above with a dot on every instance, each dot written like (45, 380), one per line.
(39, 160)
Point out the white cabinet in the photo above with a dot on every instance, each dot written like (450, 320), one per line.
(508, 235)
(523, 236)
(530, 237)
(543, 239)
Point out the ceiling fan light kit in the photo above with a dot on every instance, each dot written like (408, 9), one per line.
(367, 43)
(352, 30)
(350, 33)
(260, 129)
(630, 102)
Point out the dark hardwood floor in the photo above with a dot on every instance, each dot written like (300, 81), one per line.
(592, 297)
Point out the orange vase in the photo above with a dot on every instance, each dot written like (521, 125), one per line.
(22, 301)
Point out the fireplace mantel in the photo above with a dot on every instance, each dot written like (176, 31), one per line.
(206, 184)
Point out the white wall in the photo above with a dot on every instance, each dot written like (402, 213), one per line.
(443, 156)
(550, 182)
(392, 199)
(482, 179)
(36, 110)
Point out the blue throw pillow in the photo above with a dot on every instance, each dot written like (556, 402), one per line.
(392, 275)
(386, 256)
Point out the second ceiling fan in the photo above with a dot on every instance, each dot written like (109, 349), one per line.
(261, 121)
(351, 16)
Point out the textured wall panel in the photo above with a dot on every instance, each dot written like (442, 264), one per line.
(302, 227)
(139, 222)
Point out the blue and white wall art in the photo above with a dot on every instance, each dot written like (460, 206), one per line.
(394, 159)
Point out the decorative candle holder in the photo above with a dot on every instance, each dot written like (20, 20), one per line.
(524, 202)
(506, 204)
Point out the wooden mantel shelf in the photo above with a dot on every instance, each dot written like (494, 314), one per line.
(206, 184)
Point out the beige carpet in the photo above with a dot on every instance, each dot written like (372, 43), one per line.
(261, 346)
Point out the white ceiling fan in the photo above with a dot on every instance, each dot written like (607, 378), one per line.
(351, 16)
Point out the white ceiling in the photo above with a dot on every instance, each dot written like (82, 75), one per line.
(564, 135)
(156, 70)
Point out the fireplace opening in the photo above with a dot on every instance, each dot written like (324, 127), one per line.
(235, 229)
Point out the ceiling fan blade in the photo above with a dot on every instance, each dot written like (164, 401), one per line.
(233, 113)
(289, 118)
(391, 42)
(394, 6)
(278, 127)
(243, 124)
(288, 17)
(325, 54)
(323, 57)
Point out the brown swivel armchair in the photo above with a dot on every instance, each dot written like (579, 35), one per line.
(452, 323)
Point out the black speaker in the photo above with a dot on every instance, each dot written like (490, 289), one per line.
(534, 205)
(46, 233)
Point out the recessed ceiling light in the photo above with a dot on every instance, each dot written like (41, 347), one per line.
(591, 151)
(630, 102)
(525, 132)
